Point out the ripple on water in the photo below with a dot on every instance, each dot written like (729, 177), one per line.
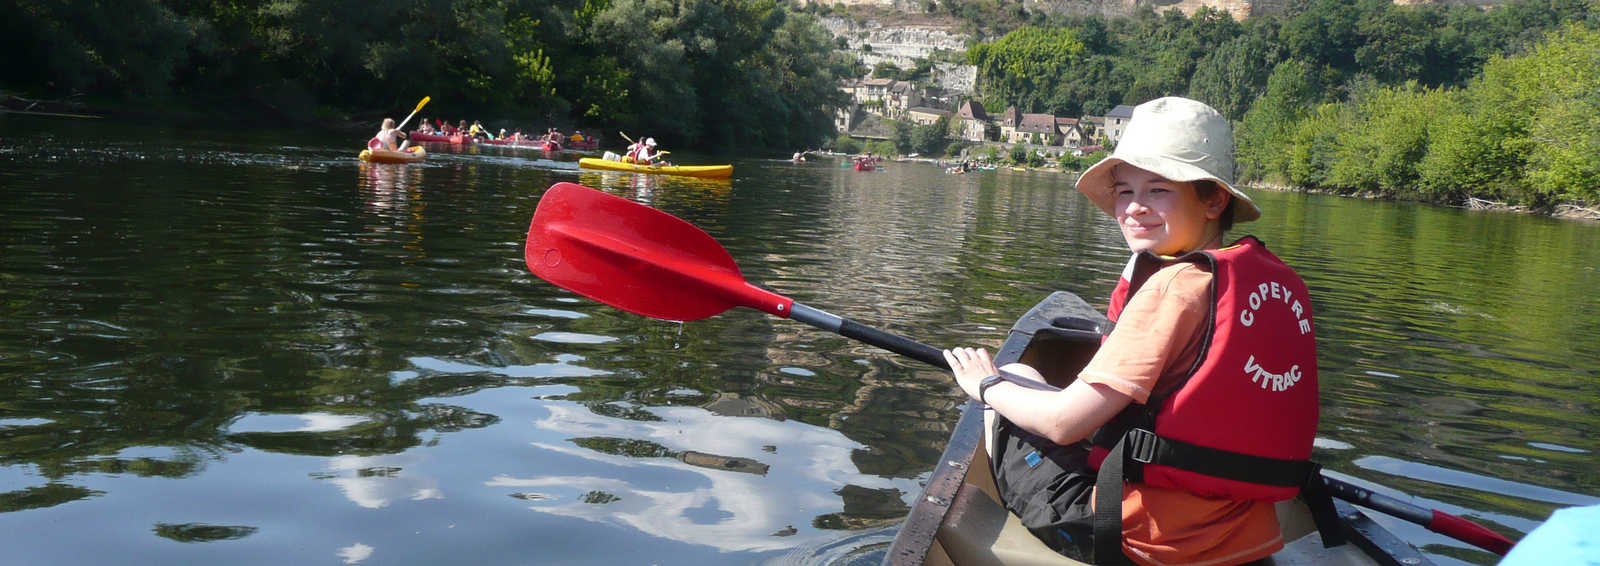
(555, 313)
(562, 368)
(1558, 448)
(573, 338)
(303, 422)
(1445, 476)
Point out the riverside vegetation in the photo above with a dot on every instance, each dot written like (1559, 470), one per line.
(713, 73)
(1427, 102)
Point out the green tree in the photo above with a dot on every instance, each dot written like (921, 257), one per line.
(1234, 75)
(846, 144)
(929, 139)
(1026, 65)
(1389, 136)
(885, 70)
(1264, 136)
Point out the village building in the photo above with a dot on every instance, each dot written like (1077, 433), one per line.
(885, 97)
(1117, 122)
(925, 116)
(1009, 120)
(902, 96)
(1037, 129)
(972, 121)
(1071, 132)
(1094, 128)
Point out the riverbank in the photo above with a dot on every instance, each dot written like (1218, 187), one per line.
(249, 114)
(1563, 211)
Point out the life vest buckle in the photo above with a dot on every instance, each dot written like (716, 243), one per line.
(1141, 445)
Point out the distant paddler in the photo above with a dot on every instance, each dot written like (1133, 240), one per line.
(643, 153)
(388, 135)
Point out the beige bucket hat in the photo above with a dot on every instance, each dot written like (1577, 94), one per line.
(1176, 138)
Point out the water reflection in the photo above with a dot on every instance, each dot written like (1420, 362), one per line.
(757, 484)
(373, 482)
(691, 191)
(218, 332)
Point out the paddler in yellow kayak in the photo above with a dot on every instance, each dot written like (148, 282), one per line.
(644, 153)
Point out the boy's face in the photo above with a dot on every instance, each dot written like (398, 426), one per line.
(1160, 215)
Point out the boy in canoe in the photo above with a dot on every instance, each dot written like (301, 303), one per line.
(1202, 397)
(388, 135)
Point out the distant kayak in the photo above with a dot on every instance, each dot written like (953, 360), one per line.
(530, 144)
(707, 171)
(409, 155)
(546, 145)
(440, 138)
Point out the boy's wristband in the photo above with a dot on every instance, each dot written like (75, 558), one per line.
(983, 386)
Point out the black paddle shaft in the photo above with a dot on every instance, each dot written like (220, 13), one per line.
(867, 334)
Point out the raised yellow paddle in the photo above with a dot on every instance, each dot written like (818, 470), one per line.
(414, 111)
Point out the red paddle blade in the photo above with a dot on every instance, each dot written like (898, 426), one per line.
(636, 258)
(1464, 530)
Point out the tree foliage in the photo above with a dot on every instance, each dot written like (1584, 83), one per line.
(1526, 130)
(695, 72)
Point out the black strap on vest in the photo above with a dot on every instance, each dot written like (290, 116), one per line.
(1139, 446)
(1148, 448)
(1108, 508)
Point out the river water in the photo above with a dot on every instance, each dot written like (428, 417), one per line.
(250, 348)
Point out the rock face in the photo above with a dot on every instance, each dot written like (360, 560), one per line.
(903, 33)
(903, 41)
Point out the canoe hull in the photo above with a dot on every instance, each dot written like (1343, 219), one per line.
(959, 519)
(704, 171)
(440, 138)
(411, 154)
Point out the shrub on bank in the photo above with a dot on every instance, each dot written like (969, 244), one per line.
(1526, 130)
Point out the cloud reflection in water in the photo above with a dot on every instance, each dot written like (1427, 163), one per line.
(805, 467)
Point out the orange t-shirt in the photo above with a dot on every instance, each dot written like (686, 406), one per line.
(1157, 341)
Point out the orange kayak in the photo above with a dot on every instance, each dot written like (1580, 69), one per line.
(409, 155)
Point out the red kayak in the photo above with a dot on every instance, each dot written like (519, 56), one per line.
(440, 138)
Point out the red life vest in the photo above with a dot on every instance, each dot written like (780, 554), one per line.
(1241, 425)
(636, 152)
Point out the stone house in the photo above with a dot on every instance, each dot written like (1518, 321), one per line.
(846, 117)
(1071, 132)
(925, 116)
(885, 97)
(871, 94)
(1093, 127)
(972, 121)
(1008, 124)
(1117, 122)
(1039, 129)
(902, 96)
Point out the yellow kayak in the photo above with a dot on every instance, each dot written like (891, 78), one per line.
(409, 155)
(708, 171)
